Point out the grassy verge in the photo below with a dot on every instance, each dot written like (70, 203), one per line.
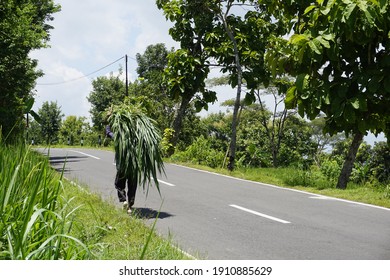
(309, 181)
(110, 234)
(44, 217)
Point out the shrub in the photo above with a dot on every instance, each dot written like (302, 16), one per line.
(331, 169)
(200, 152)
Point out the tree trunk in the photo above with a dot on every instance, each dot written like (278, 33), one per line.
(178, 121)
(233, 141)
(349, 161)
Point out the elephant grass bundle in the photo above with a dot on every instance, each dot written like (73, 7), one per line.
(137, 142)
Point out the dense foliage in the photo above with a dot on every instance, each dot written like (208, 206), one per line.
(23, 27)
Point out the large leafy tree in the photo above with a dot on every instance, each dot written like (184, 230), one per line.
(106, 92)
(74, 128)
(214, 33)
(23, 27)
(149, 88)
(187, 67)
(51, 118)
(339, 54)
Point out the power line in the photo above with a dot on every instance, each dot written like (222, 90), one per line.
(82, 77)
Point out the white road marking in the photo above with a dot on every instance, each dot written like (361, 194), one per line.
(260, 214)
(88, 155)
(321, 197)
(166, 183)
(284, 189)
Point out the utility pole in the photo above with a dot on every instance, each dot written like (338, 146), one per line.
(127, 84)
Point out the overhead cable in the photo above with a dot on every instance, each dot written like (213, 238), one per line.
(81, 77)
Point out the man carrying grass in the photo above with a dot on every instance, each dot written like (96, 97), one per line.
(138, 155)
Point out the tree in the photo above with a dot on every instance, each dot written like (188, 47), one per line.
(323, 141)
(155, 58)
(74, 128)
(23, 28)
(149, 89)
(339, 54)
(106, 92)
(274, 123)
(210, 31)
(380, 162)
(187, 67)
(51, 117)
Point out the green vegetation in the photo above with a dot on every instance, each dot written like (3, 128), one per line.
(24, 27)
(331, 70)
(45, 217)
(35, 222)
(110, 234)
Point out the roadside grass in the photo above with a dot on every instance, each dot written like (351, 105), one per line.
(109, 232)
(45, 217)
(34, 223)
(309, 181)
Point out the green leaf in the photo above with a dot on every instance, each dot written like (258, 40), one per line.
(355, 103)
(302, 82)
(325, 11)
(323, 42)
(36, 117)
(309, 9)
(348, 11)
(301, 108)
(362, 126)
(29, 104)
(337, 108)
(290, 100)
(315, 46)
(299, 39)
(349, 114)
(365, 9)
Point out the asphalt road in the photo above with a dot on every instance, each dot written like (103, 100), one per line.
(218, 217)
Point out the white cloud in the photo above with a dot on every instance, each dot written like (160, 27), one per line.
(70, 91)
(88, 35)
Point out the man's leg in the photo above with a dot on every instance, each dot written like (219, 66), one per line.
(132, 189)
(120, 185)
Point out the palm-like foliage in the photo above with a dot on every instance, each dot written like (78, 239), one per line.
(137, 144)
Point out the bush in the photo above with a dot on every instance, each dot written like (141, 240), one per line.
(331, 169)
(200, 152)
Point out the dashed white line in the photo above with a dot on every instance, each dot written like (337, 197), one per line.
(166, 183)
(88, 155)
(260, 214)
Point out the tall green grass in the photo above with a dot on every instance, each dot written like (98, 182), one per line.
(34, 219)
(43, 217)
(110, 234)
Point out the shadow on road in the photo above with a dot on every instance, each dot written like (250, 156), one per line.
(58, 162)
(147, 213)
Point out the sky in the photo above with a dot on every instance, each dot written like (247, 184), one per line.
(91, 34)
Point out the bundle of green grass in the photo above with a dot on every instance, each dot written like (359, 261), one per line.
(137, 142)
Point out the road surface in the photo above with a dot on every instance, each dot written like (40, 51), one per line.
(219, 217)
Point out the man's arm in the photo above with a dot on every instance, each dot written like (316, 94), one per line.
(109, 133)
